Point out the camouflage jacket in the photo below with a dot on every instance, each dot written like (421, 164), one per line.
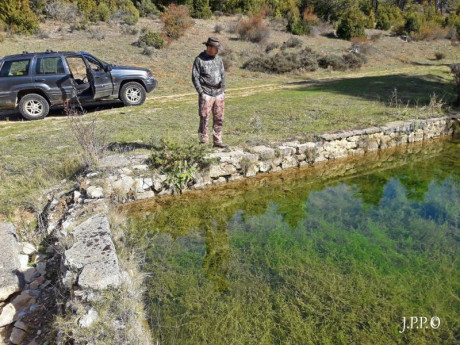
(208, 74)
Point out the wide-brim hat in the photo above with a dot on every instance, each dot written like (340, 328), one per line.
(213, 42)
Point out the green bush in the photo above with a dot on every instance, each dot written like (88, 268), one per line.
(18, 16)
(176, 20)
(388, 16)
(201, 9)
(351, 24)
(298, 27)
(413, 22)
(151, 39)
(102, 12)
(146, 8)
(125, 11)
(178, 162)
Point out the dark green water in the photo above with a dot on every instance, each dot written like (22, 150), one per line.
(337, 254)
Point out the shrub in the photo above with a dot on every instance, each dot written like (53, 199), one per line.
(18, 16)
(149, 51)
(176, 20)
(430, 31)
(62, 11)
(151, 39)
(439, 55)
(218, 29)
(129, 30)
(271, 46)
(351, 24)
(298, 27)
(96, 34)
(337, 63)
(253, 29)
(227, 57)
(127, 12)
(146, 8)
(292, 42)
(102, 13)
(354, 61)
(284, 62)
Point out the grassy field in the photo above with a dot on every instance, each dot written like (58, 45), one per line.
(398, 82)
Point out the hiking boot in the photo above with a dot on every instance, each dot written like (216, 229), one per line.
(220, 145)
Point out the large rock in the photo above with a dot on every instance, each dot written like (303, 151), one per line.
(114, 161)
(16, 308)
(265, 153)
(222, 169)
(9, 261)
(123, 185)
(93, 255)
(17, 336)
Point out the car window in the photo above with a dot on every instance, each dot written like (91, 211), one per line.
(77, 66)
(49, 65)
(15, 68)
(94, 64)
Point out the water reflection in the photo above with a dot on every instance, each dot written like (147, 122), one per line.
(332, 254)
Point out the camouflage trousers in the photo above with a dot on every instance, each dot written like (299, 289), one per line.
(206, 105)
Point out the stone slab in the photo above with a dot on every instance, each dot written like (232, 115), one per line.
(93, 254)
(9, 261)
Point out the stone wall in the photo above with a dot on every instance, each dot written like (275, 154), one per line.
(128, 178)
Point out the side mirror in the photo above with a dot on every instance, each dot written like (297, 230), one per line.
(107, 68)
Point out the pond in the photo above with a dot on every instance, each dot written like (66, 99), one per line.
(348, 252)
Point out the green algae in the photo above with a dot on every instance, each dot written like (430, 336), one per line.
(334, 254)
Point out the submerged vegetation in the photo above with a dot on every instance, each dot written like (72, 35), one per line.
(317, 259)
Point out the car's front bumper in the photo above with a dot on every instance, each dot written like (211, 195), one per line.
(150, 84)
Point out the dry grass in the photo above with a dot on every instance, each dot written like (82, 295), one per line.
(121, 317)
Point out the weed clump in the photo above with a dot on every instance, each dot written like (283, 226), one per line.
(439, 55)
(178, 162)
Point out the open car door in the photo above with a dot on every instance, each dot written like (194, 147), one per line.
(99, 77)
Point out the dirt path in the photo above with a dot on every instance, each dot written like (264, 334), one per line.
(265, 88)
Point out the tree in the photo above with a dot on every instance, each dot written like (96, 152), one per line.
(352, 24)
(18, 16)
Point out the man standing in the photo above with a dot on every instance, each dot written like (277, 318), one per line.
(208, 76)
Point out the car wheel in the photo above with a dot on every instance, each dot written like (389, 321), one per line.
(33, 107)
(132, 93)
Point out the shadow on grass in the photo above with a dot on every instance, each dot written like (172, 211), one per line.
(417, 90)
(57, 112)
